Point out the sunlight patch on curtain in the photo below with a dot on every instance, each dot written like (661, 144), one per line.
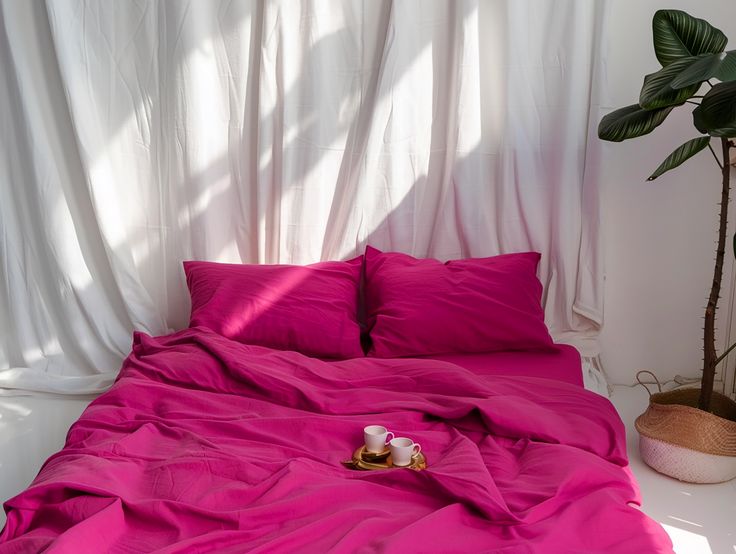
(149, 133)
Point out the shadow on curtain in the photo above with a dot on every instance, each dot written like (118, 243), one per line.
(270, 132)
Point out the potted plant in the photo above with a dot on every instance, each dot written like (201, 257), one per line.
(689, 434)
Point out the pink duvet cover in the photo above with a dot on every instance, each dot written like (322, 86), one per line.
(204, 444)
(561, 363)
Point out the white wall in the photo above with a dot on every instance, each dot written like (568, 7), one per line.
(658, 237)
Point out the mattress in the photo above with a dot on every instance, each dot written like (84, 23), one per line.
(560, 364)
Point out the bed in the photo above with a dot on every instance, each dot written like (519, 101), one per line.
(209, 443)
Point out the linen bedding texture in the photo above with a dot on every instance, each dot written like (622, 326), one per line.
(414, 307)
(206, 444)
(417, 307)
(311, 309)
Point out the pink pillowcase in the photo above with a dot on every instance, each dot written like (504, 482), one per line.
(423, 306)
(311, 309)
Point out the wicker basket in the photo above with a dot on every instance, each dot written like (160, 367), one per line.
(680, 440)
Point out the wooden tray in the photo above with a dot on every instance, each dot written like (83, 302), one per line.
(366, 461)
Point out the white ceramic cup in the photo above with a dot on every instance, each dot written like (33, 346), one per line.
(376, 438)
(402, 450)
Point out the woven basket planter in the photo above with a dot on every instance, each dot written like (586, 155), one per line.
(679, 440)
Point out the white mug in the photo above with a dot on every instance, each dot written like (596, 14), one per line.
(376, 438)
(403, 450)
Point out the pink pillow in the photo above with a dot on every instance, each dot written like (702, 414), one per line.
(419, 307)
(311, 309)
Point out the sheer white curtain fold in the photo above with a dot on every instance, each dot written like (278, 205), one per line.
(140, 134)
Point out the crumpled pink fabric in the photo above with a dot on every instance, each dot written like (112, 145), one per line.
(205, 444)
(421, 306)
(309, 308)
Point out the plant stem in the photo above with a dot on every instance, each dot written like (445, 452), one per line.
(709, 335)
(724, 354)
(715, 156)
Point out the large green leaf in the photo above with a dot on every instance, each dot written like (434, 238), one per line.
(629, 122)
(677, 35)
(657, 91)
(721, 66)
(716, 114)
(680, 155)
(728, 132)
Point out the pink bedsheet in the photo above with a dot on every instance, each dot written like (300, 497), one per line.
(562, 363)
(204, 444)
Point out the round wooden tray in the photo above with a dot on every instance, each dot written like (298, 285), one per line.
(367, 461)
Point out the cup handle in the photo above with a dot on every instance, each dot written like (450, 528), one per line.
(389, 437)
(417, 449)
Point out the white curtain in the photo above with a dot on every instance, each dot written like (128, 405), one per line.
(139, 134)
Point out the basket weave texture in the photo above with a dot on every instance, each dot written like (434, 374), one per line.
(673, 417)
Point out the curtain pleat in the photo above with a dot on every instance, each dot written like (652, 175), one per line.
(140, 134)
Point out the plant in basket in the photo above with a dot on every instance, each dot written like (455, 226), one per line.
(690, 434)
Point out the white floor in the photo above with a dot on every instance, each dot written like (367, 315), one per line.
(701, 519)
(31, 429)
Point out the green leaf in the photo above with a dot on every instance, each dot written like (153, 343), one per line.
(699, 121)
(680, 155)
(716, 114)
(728, 132)
(629, 122)
(657, 91)
(677, 35)
(721, 66)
